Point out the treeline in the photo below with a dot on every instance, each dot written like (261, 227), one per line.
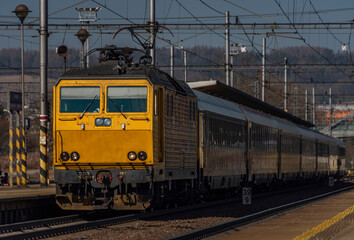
(200, 56)
(208, 63)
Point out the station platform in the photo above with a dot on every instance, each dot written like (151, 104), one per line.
(32, 190)
(330, 218)
(18, 204)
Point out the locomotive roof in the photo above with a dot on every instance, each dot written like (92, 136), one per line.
(219, 89)
(112, 71)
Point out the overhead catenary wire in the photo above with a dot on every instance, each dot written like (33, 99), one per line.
(319, 16)
(256, 14)
(304, 40)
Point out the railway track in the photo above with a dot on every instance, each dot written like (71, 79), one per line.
(57, 226)
(76, 223)
(223, 227)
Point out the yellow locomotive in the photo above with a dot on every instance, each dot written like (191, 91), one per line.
(128, 136)
(122, 135)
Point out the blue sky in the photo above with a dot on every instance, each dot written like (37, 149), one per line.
(186, 11)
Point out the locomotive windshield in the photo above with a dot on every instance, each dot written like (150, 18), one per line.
(77, 99)
(127, 99)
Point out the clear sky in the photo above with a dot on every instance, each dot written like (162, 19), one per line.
(187, 11)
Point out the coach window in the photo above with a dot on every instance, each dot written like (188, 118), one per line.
(190, 110)
(167, 104)
(77, 99)
(171, 105)
(127, 99)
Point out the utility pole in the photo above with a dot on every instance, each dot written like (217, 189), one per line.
(256, 88)
(263, 68)
(152, 32)
(313, 108)
(227, 48)
(330, 111)
(172, 61)
(285, 84)
(185, 65)
(232, 70)
(43, 97)
(306, 105)
(295, 93)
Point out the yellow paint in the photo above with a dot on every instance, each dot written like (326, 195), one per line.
(24, 160)
(43, 161)
(18, 157)
(326, 224)
(102, 147)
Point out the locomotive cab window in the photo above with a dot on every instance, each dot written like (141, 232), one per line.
(127, 99)
(79, 99)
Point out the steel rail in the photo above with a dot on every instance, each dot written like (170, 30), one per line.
(13, 227)
(222, 227)
(53, 228)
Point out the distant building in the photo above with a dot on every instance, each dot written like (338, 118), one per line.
(342, 127)
(339, 111)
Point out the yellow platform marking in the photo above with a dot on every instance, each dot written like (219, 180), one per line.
(326, 224)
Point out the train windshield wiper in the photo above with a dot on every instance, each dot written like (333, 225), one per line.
(117, 107)
(88, 106)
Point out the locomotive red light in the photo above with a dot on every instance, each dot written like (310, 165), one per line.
(142, 156)
(64, 156)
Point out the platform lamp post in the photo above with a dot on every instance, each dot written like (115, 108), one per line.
(83, 35)
(21, 12)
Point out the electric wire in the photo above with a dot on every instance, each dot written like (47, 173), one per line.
(304, 40)
(211, 7)
(256, 14)
(114, 12)
(325, 24)
(61, 10)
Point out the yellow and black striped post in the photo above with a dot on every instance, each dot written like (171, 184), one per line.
(43, 117)
(18, 150)
(47, 169)
(24, 157)
(43, 152)
(11, 150)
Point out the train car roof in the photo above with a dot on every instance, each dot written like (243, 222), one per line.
(338, 141)
(217, 105)
(258, 117)
(287, 126)
(112, 71)
(323, 138)
(219, 89)
(305, 132)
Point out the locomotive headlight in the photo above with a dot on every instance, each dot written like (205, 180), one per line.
(107, 122)
(99, 121)
(142, 156)
(64, 156)
(75, 156)
(103, 122)
(132, 156)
